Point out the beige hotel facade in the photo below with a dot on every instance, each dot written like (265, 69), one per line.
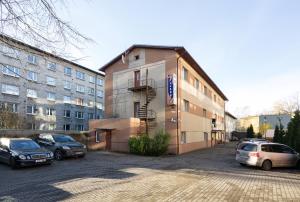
(166, 87)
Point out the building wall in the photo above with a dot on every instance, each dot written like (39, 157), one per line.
(230, 126)
(41, 120)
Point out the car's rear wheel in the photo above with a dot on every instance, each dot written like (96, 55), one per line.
(242, 164)
(58, 155)
(267, 165)
(12, 162)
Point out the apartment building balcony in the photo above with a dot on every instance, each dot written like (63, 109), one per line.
(141, 84)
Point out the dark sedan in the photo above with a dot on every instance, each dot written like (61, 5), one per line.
(23, 152)
(62, 145)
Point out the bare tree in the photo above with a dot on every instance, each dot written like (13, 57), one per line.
(9, 119)
(37, 23)
(288, 105)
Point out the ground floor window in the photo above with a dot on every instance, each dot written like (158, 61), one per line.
(98, 136)
(183, 137)
(67, 127)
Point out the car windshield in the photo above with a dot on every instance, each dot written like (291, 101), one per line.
(23, 144)
(63, 138)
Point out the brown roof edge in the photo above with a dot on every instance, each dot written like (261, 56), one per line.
(8, 38)
(181, 51)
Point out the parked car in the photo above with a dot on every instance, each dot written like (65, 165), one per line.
(62, 145)
(23, 152)
(245, 140)
(267, 155)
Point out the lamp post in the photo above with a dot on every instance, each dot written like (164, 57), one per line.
(265, 130)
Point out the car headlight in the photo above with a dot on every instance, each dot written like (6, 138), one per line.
(65, 147)
(84, 146)
(48, 155)
(22, 157)
(28, 157)
(51, 154)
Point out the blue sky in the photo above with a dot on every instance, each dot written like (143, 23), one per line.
(249, 48)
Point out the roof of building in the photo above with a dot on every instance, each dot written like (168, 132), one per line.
(229, 114)
(182, 52)
(5, 37)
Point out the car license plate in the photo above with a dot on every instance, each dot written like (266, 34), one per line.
(40, 160)
(79, 153)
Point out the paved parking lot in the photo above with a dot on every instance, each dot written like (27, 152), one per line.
(207, 175)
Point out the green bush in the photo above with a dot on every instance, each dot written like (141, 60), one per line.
(145, 145)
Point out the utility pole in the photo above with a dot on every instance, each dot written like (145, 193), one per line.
(147, 101)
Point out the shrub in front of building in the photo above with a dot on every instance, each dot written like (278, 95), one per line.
(148, 146)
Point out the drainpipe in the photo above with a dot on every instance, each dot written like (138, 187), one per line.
(177, 122)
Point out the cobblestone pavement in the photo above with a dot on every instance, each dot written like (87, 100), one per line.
(206, 175)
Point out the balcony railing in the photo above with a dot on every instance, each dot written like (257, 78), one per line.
(134, 84)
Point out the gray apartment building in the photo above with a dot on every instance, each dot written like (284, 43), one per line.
(49, 92)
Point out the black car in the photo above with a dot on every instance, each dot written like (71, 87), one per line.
(23, 152)
(62, 145)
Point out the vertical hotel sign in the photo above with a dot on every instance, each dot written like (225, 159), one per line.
(172, 89)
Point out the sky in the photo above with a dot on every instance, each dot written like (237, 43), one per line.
(251, 49)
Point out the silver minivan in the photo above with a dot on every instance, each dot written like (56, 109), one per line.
(266, 155)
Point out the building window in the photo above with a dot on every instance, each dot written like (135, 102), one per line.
(196, 84)
(52, 126)
(100, 93)
(183, 137)
(68, 71)
(50, 112)
(67, 85)
(32, 59)
(11, 107)
(79, 75)
(99, 105)
(98, 136)
(67, 127)
(92, 79)
(11, 71)
(184, 74)
(67, 113)
(204, 112)
(100, 82)
(136, 57)
(80, 88)
(67, 99)
(10, 89)
(205, 90)
(90, 115)
(32, 109)
(79, 115)
(10, 52)
(51, 96)
(186, 106)
(91, 91)
(52, 66)
(31, 126)
(50, 81)
(90, 103)
(79, 127)
(31, 93)
(32, 76)
(79, 101)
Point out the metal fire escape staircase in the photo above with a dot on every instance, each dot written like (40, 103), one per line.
(147, 88)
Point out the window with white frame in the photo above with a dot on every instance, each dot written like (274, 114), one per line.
(183, 137)
(90, 116)
(67, 113)
(10, 52)
(79, 127)
(196, 84)
(100, 93)
(32, 76)
(11, 70)
(184, 74)
(31, 93)
(67, 85)
(51, 96)
(80, 88)
(51, 66)
(186, 106)
(50, 81)
(10, 89)
(91, 91)
(67, 99)
(32, 59)
(12, 107)
(32, 109)
(92, 79)
(50, 112)
(100, 82)
(99, 105)
(98, 136)
(79, 101)
(79, 115)
(90, 103)
(68, 71)
(67, 127)
(79, 75)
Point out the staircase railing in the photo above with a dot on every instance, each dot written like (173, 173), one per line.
(132, 83)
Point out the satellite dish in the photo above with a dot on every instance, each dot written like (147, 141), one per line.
(123, 59)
